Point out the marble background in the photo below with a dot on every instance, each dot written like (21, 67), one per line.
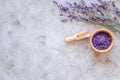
(32, 46)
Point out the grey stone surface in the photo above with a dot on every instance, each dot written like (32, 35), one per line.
(32, 46)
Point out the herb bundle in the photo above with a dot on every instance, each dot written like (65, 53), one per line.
(104, 13)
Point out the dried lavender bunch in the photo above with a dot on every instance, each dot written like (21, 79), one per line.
(104, 13)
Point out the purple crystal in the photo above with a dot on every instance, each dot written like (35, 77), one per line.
(101, 41)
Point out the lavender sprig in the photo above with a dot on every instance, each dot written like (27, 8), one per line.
(104, 13)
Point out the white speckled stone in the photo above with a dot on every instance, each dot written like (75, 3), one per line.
(32, 46)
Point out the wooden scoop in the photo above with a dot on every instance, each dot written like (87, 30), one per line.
(78, 36)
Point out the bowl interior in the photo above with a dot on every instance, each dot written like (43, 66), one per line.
(111, 36)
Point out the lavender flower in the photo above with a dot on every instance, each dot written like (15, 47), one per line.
(104, 13)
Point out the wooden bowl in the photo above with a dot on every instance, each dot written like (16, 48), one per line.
(112, 41)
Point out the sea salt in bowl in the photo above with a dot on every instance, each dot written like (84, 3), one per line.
(102, 41)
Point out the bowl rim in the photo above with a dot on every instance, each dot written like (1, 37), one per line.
(112, 40)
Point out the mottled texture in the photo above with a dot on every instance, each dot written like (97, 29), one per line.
(101, 41)
(32, 45)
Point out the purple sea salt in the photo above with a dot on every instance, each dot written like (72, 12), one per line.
(101, 40)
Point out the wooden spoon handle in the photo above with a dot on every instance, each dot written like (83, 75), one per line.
(69, 39)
